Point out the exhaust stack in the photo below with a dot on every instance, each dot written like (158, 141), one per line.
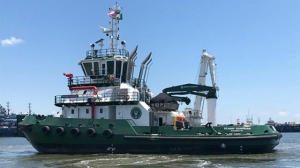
(130, 64)
(142, 68)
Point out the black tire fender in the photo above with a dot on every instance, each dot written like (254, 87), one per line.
(45, 130)
(90, 132)
(60, 131)
(107, 133)
(74, 132)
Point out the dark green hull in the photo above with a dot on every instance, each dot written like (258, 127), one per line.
(159, 147)
(80, 136)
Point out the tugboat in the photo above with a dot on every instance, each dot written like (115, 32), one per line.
(110, 111)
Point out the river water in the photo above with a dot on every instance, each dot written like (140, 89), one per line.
(17, 153)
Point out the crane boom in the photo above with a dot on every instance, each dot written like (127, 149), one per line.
(210, 93)
(207, 61)
(200, 90)
(194, 89)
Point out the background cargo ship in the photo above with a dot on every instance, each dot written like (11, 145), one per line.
(110, 111)
(8, 122)
(285, 127)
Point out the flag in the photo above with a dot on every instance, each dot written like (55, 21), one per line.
(111, 13)
(115, 14)
(119, 17)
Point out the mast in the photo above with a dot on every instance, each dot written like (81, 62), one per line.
(107, 65)
(116, 15)
(29, 108)
(8, 108)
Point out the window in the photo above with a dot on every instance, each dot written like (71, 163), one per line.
(87, 111)
(110, 67)
(124, 71)
(118, 68)
(101, 110)
(96, 68)
(88, 68)
(72, 111)
(103, 69)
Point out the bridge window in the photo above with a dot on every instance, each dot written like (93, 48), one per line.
(82, 67)
(88, 68)
(96, 68)
(118, 68)
(124, 71)
(103, 69)
(110, 67)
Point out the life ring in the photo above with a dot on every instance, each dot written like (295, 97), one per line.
(60, 131)
(45, 130)
(107, 133)
(126, 97)
(74, 132)
(91, 132)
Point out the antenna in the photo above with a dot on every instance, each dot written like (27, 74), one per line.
(29, 106)
(8, 108)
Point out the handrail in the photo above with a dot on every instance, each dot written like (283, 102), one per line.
(106, 53)
(106, 97)
(99, 79)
